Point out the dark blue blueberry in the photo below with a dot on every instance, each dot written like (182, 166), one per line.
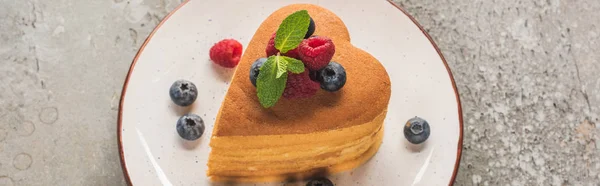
(416, 130)
(311, 29)
(190, 126)
(332, 77)
(255, 69)
(320, 182)
(183, 92)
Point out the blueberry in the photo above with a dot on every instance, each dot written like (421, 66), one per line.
(320, 182)
(332, 77)
(416, 130)
(311, 29)
(254, 70)
(190, 126)
(183, 92)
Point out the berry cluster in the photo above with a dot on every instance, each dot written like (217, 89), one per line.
(316, 53)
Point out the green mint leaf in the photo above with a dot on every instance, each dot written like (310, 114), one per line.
(282, 65)
(291, 31)
(293, 65)
(270, 88)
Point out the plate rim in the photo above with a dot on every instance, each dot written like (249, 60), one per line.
(460, 114)
(402, 10)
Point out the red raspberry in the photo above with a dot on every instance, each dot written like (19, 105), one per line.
(300, 86)
(316, 52)
(271, 50)
(226, 53)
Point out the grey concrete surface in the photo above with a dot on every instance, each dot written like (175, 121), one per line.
(527, 72)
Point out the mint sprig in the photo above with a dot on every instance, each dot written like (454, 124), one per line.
(270, 83)
(292, 30)
(281, 65)
(293, 65)
(272, 78)
(269, 86)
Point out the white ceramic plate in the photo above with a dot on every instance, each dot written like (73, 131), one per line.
(152, 153)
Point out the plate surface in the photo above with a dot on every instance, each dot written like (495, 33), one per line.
(152, 153)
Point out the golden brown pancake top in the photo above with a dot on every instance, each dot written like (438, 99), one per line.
(365, 95)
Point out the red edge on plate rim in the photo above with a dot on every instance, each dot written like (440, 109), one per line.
(122, 100)
(120, 117)
(460, 116)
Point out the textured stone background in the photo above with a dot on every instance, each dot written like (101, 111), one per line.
(527, 72)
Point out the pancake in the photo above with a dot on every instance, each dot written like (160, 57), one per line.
(300, 138)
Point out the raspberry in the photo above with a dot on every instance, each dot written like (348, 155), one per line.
(300, 86)
(226, 53)
(316, 52)
(271, 50)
